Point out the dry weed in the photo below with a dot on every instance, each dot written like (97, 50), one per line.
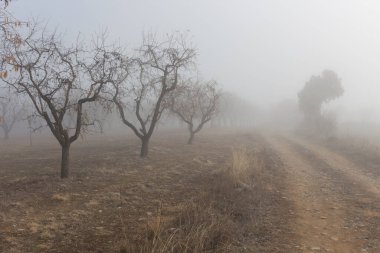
(211, 222)
(244, 165)
(200, 227)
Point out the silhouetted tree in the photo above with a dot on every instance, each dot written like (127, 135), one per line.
(156, 71)
(195, 103)
(11, 111)
(317, 91)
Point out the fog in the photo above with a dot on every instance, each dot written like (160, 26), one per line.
(189, 126)
(262, 50)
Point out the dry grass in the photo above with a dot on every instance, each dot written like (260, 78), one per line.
(200, 227)
(111, 203)
(245, 164)
(239, 171)
(210, 222)
(60, 197)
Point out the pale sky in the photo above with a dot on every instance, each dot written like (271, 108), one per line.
(263, 50)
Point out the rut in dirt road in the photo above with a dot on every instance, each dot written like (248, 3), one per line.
(336, 208)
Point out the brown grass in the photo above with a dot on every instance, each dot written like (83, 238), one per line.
(60, 197)
(208, 223)
(245, 164)
(179, 201)
(238, 171)
(200, 227)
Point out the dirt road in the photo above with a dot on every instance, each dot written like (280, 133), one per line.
(336, 204)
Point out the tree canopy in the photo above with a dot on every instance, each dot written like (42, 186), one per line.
(318, 90)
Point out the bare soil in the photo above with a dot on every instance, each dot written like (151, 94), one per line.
(112, 194)
(337, 206)
(307, 196)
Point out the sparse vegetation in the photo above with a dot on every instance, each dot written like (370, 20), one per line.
(199, 227)
(214, 221)
(187, 202)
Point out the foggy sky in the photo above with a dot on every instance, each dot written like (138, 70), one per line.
(263, 50)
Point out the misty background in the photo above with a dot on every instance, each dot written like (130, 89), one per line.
(264, 51)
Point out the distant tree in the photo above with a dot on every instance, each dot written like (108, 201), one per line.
(156, 71)
(31, 121)
(195, 103)
(317, 91)
(11, 111)
(234, 111)
(34, 122)
(59, 81)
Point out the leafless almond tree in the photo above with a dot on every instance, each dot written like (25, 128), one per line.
(195, 103)
(60, 81)
(156, 71)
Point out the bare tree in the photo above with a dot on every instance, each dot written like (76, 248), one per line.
(195, 103)
(155, 74)
(11, 111)
(60, 81)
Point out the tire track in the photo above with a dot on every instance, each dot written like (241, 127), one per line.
(331, 215)
(344, 165)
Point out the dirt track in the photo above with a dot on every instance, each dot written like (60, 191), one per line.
(337, 206)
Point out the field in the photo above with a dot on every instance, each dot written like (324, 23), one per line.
(231, 191)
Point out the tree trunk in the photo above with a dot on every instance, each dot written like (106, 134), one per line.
(144, 147)
(65, 161)
(190, 141)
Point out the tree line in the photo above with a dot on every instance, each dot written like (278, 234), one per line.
(62, 85)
